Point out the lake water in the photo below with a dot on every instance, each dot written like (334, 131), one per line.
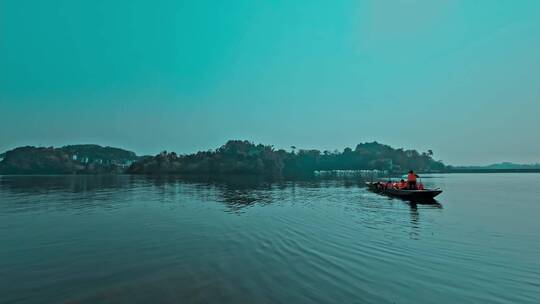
(126, 239)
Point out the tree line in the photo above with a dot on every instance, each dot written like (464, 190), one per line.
(244, 157)
(236, 157)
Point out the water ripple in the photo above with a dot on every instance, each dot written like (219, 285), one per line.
(138, 240)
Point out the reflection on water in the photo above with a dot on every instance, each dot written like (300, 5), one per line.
(415, 216)
(132, 239)
(236, 192)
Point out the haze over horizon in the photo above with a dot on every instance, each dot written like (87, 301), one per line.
(458, 77)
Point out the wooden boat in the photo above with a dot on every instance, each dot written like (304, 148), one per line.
(410, 195)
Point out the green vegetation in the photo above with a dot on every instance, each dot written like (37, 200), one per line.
(76, 159)
(236, 157)
(244, 157)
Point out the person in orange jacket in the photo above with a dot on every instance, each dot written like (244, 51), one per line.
(411, 180)
(402, 184)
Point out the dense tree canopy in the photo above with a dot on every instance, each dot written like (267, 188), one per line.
(244, 157)
(235, 157)
(66, 160)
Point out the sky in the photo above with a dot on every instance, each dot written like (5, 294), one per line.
(459, 77)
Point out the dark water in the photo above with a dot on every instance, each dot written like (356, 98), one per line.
(77, 239)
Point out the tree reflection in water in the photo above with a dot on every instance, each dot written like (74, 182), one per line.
(94, 191)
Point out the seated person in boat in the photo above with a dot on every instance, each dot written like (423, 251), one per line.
(402, 185)
(411, 180)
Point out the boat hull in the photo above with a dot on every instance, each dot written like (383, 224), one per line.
(409, 195)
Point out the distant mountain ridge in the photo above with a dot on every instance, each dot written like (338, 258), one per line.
(503, 166)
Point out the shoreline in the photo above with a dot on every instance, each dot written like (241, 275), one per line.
(213, 176)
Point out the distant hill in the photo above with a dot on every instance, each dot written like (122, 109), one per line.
(503, 166)
(74, 159)
(105, 155)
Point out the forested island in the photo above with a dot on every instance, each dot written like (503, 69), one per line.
(236, 157)
(74, 159)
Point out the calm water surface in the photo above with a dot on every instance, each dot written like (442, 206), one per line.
(124, 239)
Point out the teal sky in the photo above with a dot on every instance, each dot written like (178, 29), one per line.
(459, 77)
